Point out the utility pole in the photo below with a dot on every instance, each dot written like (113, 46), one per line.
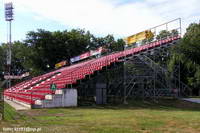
(9, 17)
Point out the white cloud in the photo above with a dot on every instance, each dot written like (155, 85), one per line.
(108, 17)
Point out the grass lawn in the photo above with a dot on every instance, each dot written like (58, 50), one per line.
(168, 116)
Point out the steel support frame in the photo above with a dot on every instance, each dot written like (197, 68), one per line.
(147, 78)
(175, 82)
(157, 76)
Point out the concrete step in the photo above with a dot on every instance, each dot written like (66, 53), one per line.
(16, 105)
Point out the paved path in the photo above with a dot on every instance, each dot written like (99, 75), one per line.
(16, 106)
(194, 100)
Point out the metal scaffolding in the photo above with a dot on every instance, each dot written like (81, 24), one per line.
(143, 75)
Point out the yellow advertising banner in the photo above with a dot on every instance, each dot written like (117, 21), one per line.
(139, 37)
(60, 64)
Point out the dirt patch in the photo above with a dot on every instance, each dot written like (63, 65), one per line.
(186, 104)
(59, 114)
(33, 113)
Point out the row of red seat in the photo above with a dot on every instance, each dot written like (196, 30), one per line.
(29, 83)
(70, 75)
(40, 90)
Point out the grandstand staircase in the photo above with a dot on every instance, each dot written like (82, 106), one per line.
(172, 81)
(144, 81)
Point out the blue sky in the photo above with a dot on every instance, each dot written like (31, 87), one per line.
(118, 17)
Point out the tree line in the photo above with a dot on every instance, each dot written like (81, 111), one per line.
(42, 49)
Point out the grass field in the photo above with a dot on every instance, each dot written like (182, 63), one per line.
(165, 116)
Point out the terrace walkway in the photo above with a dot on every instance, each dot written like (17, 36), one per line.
(16, 106)
(194, 100)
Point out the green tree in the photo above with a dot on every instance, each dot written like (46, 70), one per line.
(188, 53)
(19, 54)
(2, 61)
(163, 34)
(48, 48)
(109, 43)
(118, 45)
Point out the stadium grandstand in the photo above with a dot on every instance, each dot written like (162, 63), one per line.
(70, 85)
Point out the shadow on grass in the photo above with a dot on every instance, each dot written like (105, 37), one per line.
(159, 104)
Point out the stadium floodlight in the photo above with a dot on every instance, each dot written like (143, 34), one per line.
(9, 17)
(9, 11)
